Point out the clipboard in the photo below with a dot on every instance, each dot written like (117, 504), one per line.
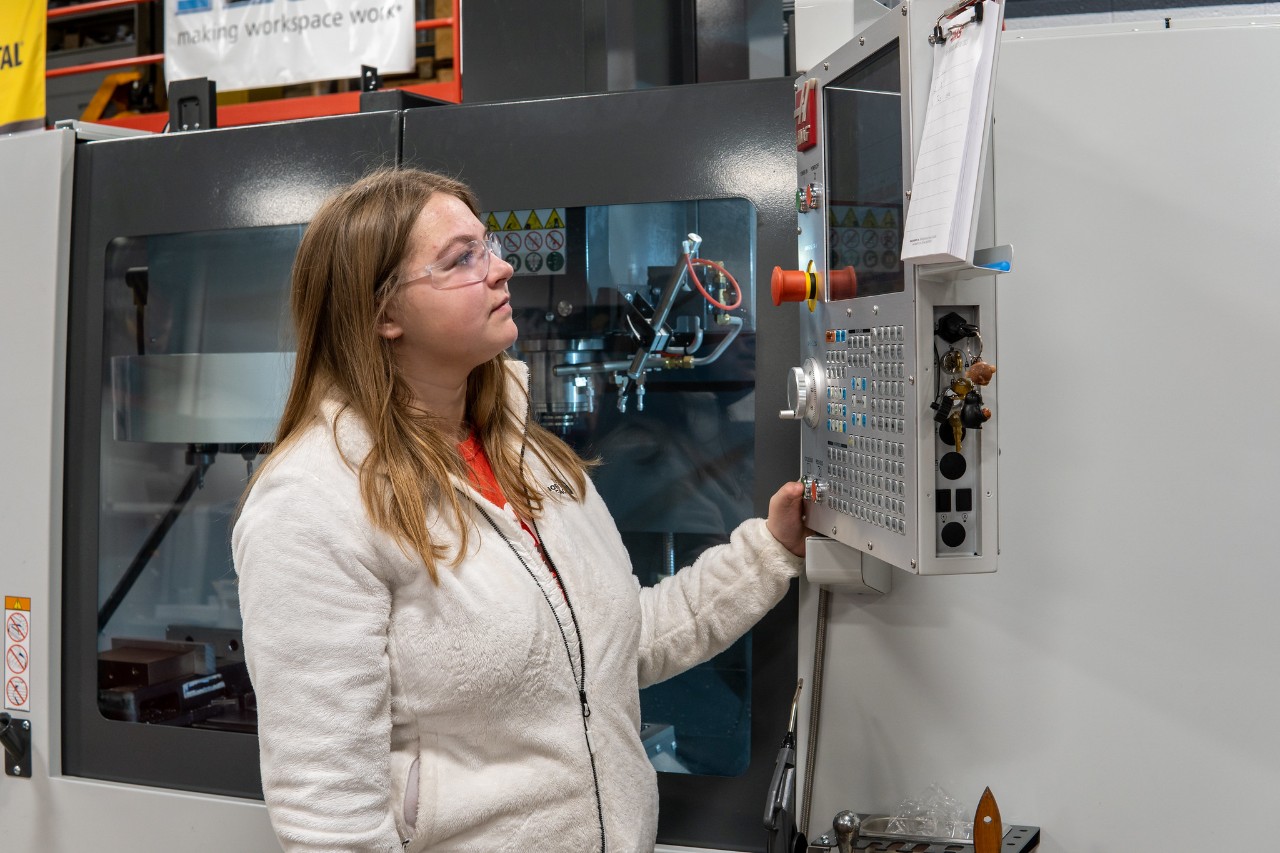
(942, 216)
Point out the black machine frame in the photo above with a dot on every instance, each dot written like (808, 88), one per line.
(183, 182)
(709, 141)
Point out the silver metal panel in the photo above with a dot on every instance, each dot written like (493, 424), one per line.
(64, 813)
(1125, 651)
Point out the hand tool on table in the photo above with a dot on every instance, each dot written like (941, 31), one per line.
(988, 832)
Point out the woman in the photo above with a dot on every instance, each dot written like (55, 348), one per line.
(440, 620)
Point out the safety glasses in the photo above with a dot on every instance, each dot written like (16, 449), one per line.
(468, 265)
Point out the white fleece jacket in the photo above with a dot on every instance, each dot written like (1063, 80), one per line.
(397, 714)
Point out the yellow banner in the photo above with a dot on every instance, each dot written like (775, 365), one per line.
(22, 29)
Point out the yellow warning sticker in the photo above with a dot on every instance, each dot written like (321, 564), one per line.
(492, 223)
(889, 221)
(554, 220)
(869, 221)
(533, 223)
(850, 220)
(512, 224)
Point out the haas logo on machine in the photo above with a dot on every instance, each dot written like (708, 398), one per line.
(807, 115)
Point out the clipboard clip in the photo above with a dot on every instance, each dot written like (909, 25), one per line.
(939, 35)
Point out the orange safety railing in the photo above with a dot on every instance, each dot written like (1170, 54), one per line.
(100, 5)
(257, 112)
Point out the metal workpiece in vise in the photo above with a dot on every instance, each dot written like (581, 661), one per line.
(15, 735)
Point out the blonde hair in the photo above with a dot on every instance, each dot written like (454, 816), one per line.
(344, 276)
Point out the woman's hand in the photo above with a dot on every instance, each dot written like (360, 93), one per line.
(786, 517)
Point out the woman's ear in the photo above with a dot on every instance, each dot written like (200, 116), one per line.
(388, 327)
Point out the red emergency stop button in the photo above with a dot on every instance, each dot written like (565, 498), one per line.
(792, 285)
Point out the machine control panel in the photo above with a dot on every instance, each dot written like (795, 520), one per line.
(894, 392)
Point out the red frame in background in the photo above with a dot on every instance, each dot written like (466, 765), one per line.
(259, 112)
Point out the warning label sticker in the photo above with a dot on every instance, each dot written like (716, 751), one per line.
(865, 236)
(533, 240)
(17, 653)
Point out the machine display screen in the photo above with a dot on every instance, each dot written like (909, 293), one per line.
(863, 111)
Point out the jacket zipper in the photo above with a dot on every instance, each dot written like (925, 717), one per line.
(584, 705)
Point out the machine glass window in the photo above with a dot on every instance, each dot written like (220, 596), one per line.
(196, 361)
(637, 322)
(633, 365)
(863, 110)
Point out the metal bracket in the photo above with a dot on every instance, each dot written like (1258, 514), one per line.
(16, 737)
(193, 104)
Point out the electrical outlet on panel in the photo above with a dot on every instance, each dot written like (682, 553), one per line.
(835, 565)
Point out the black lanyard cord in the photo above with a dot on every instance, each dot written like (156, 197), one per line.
(564, 637)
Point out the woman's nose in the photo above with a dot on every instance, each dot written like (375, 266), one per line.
(499, 269)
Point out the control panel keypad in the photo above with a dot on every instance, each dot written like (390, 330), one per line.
(866, 410)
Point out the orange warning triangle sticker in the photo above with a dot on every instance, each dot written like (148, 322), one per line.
(533, 223)
(850, 220)
(869, 221)
(512, 224)
(491, 222)
(554, 220)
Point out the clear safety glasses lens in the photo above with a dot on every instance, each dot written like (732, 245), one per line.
(468, 265)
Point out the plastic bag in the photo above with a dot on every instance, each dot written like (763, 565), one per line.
(933, 813)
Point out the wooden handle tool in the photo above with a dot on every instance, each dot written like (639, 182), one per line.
(988, 832)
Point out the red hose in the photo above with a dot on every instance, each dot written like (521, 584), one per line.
(707, 296)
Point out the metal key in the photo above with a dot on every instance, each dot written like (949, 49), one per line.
(957, 429)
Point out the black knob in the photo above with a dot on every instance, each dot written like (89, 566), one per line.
(953, 534)
(952, 466)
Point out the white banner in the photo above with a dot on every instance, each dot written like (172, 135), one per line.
(247, 44)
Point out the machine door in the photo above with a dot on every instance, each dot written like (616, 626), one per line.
(179, 357)
(595, 198)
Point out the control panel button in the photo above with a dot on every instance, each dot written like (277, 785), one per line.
(792, 286)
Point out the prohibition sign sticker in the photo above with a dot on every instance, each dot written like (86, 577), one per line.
(533, 241)
(17, 626)
(555, 240)
(511, 242)
(15, 691)
(17, 653)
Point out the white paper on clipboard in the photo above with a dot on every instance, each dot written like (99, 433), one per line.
(941, 217)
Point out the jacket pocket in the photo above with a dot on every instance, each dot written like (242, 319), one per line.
(412, 791)
(415, 807)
